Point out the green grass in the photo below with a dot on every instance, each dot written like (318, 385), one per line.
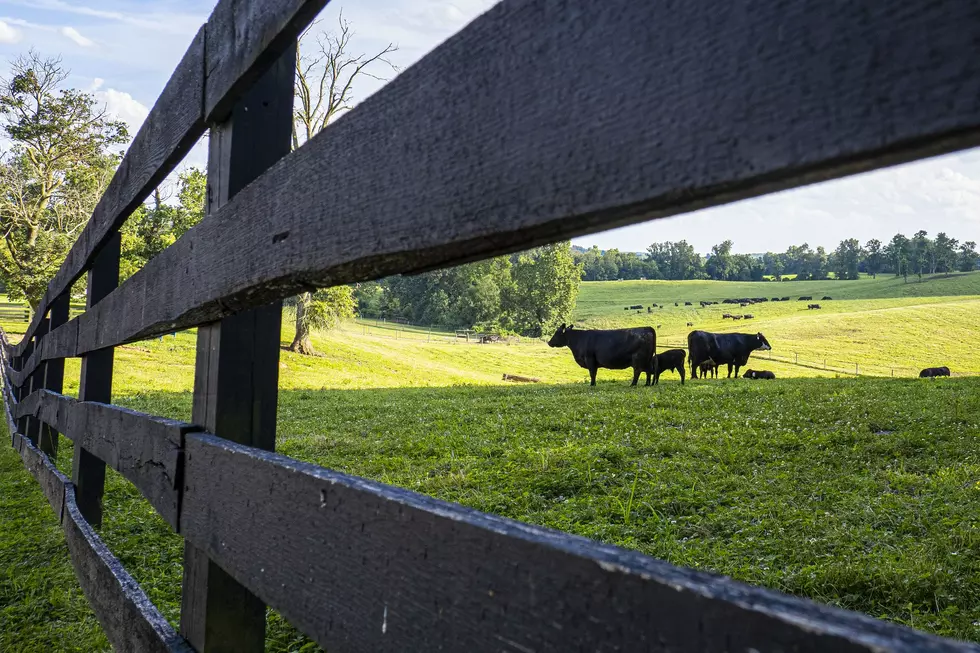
(864, 493)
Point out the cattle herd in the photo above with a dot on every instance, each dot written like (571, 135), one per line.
(619, 349)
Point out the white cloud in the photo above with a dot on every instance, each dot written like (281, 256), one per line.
(123, 106)
(73, 34)
(8, 34)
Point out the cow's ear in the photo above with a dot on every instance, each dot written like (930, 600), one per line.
(571, 326)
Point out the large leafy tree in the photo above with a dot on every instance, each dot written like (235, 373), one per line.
(59, 160)
(847, 259)
(546, 284)
(873, 257)
(967, 259)
(159, 223)
(326, 73)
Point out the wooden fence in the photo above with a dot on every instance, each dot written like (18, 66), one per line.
(541, 120)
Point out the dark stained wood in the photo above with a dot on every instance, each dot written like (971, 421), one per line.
(30, 427)
(360, 566)
(53, 376)
(173, 126)
(147, 450)
(237, 371)
(87, 469)
(625, 111)
(51, 480)
(128, 618)
(244, 39)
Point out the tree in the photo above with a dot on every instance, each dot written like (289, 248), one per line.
(945, 253)
(325, 81)
(157, 224)
(546, 284)
(773, 265)
(720, 265)
(873, 257)
(847, 258)
(968, 256)
(58, 164)
(921, 253)
(897, 254)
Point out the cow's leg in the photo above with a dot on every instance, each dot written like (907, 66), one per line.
(730, 371)
(736, 370)
(680, 370)
(636, 375)
(592, 371)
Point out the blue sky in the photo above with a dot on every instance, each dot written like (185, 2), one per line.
(124, 52)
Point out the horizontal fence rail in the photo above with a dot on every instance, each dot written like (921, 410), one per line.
(624, 111)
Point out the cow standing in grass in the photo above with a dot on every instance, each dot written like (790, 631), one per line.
(732, 349)
(672, 359)
(613, 349)
(932, 372)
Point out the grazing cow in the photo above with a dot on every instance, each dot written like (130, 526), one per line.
(806, 299)
(731, 348)
(690, 324)
(614, 349)
(636, 306)
(811, 307)
(706, 368)
(672, 359)
(761, 374)
(736, 317)
(775, 299)
(748, 317)
(827, 299)
(726, 316)
(931, 372)
(784, 299)
(676, 304)
(688, 304)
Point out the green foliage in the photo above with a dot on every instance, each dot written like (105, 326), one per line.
(847, 259)
(156, 225)
(968, 257)
(328, 307)
(525, 293)
(57, 163)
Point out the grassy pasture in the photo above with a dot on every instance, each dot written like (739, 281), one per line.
(864, 493)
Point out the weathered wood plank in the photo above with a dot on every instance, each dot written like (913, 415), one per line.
(236, 380)
(244, 39)
(130, 621)
(360, 566)
(51, 480)
(174, 124)
(625, 111)
(145, 449)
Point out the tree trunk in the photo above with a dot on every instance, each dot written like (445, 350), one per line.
(301, 342)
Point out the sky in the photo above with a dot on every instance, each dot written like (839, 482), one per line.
(123, 51)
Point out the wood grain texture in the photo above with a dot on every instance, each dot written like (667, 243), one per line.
(624, 111)
(54, 373)
(360, 566)
(244, 39)
(52, 481)
(237, 368)
(172, 128)
(147, 450)
(128, 618)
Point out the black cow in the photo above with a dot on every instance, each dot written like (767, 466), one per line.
(672, 359)
(688, 304)
(705, 368)
(827, 298)
(613, 349)
(723, 348)
(810, 307)
(931, 372)
(761, 374)
(806, 298)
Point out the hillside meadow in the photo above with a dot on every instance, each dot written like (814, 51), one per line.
(863, 493)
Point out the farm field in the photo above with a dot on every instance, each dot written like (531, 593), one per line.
(864, 493)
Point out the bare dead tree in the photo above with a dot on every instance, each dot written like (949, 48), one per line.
(326, 73)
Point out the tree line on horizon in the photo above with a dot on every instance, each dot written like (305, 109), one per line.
(675, 261)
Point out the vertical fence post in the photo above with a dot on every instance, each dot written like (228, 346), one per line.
(236, 380)
(53, 375)
(28, 425)
(855, 369)
(797, 358)
(87, 471)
